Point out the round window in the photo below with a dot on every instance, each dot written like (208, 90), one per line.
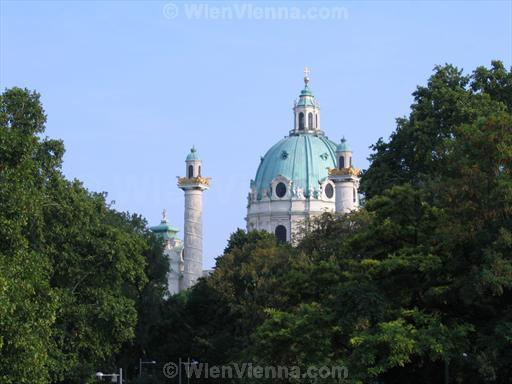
(329, 191)
(280, 189)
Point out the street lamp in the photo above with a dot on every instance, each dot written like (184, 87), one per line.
(144, 362)
(465, 355)
(191, 362)
(114, 376)
(187, 364)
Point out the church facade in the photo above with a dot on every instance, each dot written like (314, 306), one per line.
(300, 177)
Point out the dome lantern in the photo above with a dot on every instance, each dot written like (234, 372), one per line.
(306, 110)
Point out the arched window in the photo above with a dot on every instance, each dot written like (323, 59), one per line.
(281, 233)
(350, 161)
(354, 194)
(310, 120)
(190, 171)
(342, 162)
(301, 121)
(199, 171)
(316, 120)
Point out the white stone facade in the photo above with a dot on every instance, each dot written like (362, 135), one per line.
(174, 252)
(347, 198)
(290, 211)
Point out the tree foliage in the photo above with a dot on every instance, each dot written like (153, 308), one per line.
(72, 269)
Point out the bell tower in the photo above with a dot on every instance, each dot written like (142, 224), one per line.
(193, 184)
(306, 110)
(346, 179)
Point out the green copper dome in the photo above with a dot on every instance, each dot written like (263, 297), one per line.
(193, 155)
(303, 159)
(343, 146)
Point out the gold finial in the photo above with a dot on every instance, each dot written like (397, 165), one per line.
(164, 215)
(306, 75)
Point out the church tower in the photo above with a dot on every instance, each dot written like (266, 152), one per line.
(193, 184)
(173, 250)
(346, 179)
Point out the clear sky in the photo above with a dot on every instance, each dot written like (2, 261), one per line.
(131, 86)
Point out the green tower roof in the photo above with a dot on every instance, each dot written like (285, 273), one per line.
(193, 155)
(306, 98)
(343, 146)
(164, 230)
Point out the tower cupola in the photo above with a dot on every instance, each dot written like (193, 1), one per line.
(344, 154)
(306, 110)
(193, 164)
(345, 178)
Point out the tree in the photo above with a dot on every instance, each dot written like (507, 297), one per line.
(69, 263)
(95, 252)
(149, 302)
(28, 304)
(213, 321)
(416, 149)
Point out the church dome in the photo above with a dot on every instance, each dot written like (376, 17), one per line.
(302, 159)
(293, 184)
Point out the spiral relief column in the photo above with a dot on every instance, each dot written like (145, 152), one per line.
(193, 184)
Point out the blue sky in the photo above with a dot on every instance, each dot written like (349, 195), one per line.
(131, 86)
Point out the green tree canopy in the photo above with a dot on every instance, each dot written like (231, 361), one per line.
(72, 269)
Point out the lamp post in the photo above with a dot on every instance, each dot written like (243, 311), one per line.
(464, 355)
(114, 376)
(187, 364)
(144, 362)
